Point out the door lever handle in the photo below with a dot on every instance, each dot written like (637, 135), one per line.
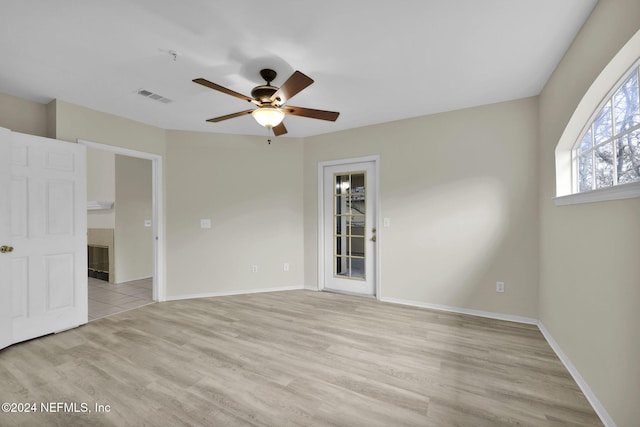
(5, 249)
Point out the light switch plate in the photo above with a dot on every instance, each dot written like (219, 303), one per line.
(147, 223)
(205, 223)
(386, 222)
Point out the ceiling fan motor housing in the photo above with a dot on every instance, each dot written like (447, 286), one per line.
(263, 93)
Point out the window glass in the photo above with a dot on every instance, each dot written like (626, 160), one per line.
(629, 157)
(602, 126)
(586, 143)
(585, 175)
(609, 151)
(625, 102)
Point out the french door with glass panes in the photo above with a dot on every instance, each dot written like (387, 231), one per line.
(350, 228)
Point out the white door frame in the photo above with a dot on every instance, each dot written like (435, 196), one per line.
(321, 212)
(159, 285)
(6, 291)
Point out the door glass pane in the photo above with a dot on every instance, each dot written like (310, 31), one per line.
(357, 246)
(342, 266)
(342, 224)
(357, 225)
(349, 225)
(357, 267)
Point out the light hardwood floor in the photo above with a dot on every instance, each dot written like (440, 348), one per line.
(295, 358)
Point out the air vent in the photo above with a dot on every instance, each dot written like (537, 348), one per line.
(154, 96)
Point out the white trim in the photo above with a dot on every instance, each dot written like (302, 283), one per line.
(451, 309)
(321, 165)
(159, 285)
(241, 292)
(620, 65)
(616, 192)
(586, 390)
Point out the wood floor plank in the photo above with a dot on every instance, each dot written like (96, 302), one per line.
(294, 358)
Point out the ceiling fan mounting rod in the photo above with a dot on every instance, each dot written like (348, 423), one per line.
(269, 75)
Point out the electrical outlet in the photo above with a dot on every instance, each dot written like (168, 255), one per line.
(254, 268)
(286, 266)
(499, 286)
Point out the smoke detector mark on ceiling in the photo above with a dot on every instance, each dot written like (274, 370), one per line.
(154, 96)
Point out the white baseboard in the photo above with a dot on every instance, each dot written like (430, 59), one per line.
(488, 314)
(132, 280)
(591, 397)
(238, 292)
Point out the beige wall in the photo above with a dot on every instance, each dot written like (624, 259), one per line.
(461, 190)
(589, 275)
(101, 187)
(74, 122)
(133, 205)
(252, 192)
(24, 116)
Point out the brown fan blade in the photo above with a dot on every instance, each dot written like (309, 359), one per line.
(280, 129)
(211, 85)
(230, 116)
(311, 113)
(291, 87)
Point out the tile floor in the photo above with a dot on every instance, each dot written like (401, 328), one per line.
(107, 298)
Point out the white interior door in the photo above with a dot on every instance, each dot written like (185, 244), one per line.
(350, 228)
(48, 265)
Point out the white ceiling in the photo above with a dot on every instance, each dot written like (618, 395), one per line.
(373, 61)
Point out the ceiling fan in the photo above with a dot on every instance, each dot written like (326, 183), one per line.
(271, 101)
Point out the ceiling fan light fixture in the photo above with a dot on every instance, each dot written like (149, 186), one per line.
(268, 116)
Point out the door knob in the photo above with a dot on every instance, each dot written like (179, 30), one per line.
(373, 239)
(5, 249)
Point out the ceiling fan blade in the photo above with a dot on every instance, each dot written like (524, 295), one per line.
(280, 129)
(229, 116)
(311, 113)
(211, 85)
(294, 84)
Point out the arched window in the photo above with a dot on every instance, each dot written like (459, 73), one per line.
(607, 153)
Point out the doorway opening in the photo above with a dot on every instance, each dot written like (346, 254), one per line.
(130, 229)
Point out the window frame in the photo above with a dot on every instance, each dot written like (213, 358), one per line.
(622, 64)
(612, 139)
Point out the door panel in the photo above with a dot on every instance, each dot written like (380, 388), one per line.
(19, 275)
(48, 232)
(349, 227)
